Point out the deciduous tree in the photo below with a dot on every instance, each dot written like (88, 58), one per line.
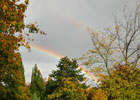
(12, 14)
(120, 45)
(12, 83)
(95, 93)
(124, 83)
(68, 90)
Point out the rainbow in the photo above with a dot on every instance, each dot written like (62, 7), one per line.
(58, 56)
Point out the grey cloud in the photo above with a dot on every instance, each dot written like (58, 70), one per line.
(66, 23)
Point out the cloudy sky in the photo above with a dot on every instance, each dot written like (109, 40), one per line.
(65, 22)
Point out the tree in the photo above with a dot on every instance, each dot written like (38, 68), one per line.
(66, 68)
(37, 83)
(101, 55)
(22, 69)
(12, 82)
(68, 90)
(95, 93)
(12, 14)
(35, 97)
(120, 45)
(124, 83)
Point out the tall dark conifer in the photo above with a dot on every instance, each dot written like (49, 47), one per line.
(37, 84)
(66, 69)
(22, 69)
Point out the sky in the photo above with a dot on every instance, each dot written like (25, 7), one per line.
(66, 23)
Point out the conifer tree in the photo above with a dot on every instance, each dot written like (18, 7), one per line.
(22, 69)
(66, 69)
(37, 84)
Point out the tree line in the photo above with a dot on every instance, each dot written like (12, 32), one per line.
(114, 59)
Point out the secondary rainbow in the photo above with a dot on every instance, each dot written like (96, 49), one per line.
(58, 57)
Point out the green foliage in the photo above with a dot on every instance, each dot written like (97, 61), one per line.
(124, 83)
(119, 45)
(12, 81)
(66, 68)
(50, 87)
(101, 56)
(37, 84)
(95, 93)
(12, 85)
(35, 97)
(22, 70)
(68, 90)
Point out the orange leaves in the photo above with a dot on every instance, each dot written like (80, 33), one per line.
(117, 27)
(12, 24)
(2, 41)
(8, 60)
(4, 8)
(99, 95)
(12, 16)
(95, 93)
(27, 46)
(27, 1)
(32, 28)
(123, 84)
(68, 90)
